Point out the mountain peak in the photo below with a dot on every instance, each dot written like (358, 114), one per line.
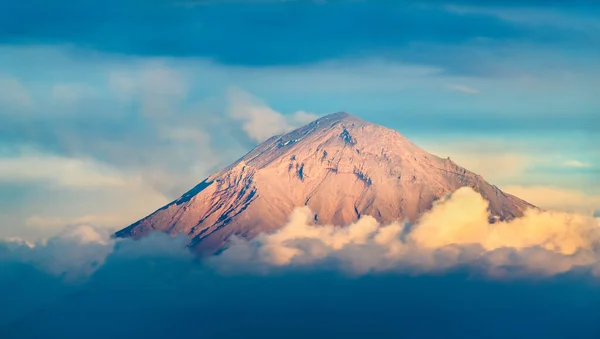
(339, 165)
(338, 116)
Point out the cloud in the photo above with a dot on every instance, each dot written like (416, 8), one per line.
(518, 160)
(66, 93)
(261, 122)
(455, 233)
(122, 84)
(82, 279)
(140, 129)
(498, 161)
(60, 191)
(576, 164)
(54, 222)
(162, 88)
(448, 224)
(300, 118)
(58, 170)
(556, 198)
(158, 125)
(270, 43)
(132, 136)
(173, 124)
(463, 89)
(136, 282)
(73, 254)
(398, 29)
(535, 16)
(14, 95)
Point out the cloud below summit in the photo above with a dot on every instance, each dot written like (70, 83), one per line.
(87, 279)
(455, 233)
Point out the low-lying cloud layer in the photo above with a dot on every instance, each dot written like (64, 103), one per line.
(449, 268)
(455, 233)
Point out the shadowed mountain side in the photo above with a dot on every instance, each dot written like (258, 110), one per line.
(342, 167)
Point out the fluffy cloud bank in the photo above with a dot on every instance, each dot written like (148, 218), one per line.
(455, 233)
(315, 281)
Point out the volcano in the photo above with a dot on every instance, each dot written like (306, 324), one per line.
(341, 166)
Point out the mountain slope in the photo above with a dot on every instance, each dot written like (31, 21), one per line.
(340, 166)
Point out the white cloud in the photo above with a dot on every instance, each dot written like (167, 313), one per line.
(49, 211)
(576, 164)
(301, 118)
(526, 167)
(78, 251)
(176, 150)
(157, 278)
(75, 253)
(105, 219)
(147, 146)
(462, 220)
(556, 198)
(259, 121)
(455, 232)
(59, 171)
(106, 280)
(495, 160)
(463, 89)
(70, 191)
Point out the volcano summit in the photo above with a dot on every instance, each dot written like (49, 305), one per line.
(342, 167)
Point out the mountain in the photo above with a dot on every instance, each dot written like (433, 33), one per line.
(342, 167)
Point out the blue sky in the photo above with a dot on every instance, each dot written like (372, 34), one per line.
(110, 109)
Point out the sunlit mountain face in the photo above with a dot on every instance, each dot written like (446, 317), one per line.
(175, 169)
(339, 166)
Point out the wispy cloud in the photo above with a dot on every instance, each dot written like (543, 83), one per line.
(59, 170)
(557, 198)
(534, 16)
(72, 93)
(260, 121)
(518, 159)
(462, 88)
(577, 164)
(13, 94)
